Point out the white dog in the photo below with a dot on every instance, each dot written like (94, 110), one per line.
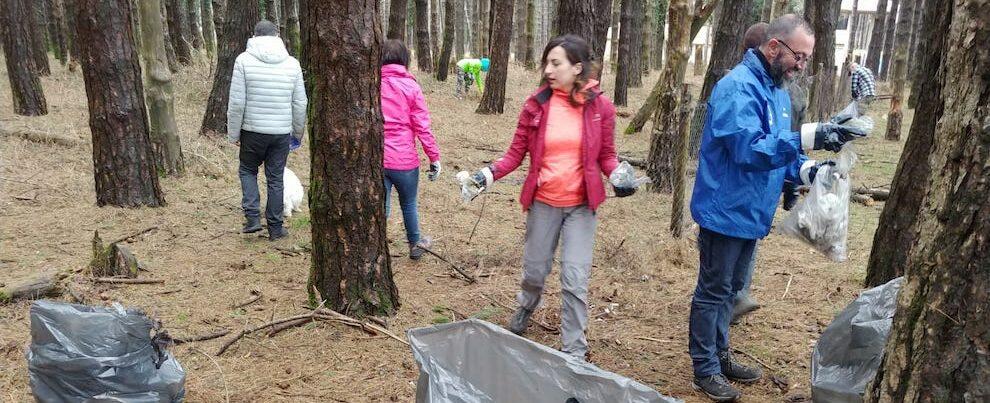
(293, 193)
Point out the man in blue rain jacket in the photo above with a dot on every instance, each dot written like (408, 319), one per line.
(747, 150)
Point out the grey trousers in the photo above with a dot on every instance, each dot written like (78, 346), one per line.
(575, 227)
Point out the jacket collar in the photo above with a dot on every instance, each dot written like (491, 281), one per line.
(544, 93)
(759, 66)
(395, 70)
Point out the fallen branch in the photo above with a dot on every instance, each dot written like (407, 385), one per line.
(468, 277)
(211, 336)
(753, 358)
(223, 378)
(39, 137)
(861, 199)
(788, 287)
(255, 296)
(43, 285)
(244, 332)
(480, 213)
(116, 280)
(875, 193)
(344, 318)
(136, 234)
(652, 339)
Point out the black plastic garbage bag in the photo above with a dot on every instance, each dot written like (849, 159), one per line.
(848, 354)
(89, 354)
(476, 361)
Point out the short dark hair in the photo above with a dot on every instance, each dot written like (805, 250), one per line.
(755, 36)
(395, 52)
(265, 28)
(782, 27)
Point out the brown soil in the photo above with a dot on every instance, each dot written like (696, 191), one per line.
(642, 277)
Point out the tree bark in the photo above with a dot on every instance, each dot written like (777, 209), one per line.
(292, 26)
(195, 23)
(173, 62)
(899, 218)
(699, 60)
(424, 59)
(616, 17)
(843, 91)
(123, 160)
(158, 91)
(663, 154)
(876, 38)
(58, 30)
(766, 13)
(937, 348)
(29, 99)
(923, 24)
(647, 42)
(681, 157)
(888, 41)
(528, 59)
(493, 99)
(485, 26)
(39, 51)
(602, 21)
(915, 31)
(271, 11)
(779, 8)
(397, 20)
(176, 30)
(518, 30)
(448, 40)
(73, 44)
(238, 27)
(576, 17)
(628, 33)
(474, 27)
(351, 266)
(460, 34)
(209, 30)
(635, 78)
(435, 32)
(660, 10)
(903, 43)
(823, 16)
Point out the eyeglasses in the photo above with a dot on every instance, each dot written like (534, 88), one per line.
(798, 58)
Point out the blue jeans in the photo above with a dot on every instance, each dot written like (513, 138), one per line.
(744, 291)
(725, 262)
(407, 184)
(271, 150)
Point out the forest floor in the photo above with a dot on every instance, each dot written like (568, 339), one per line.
(640, 290)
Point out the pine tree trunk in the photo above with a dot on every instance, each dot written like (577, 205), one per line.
(899, 74)
(72, 43)
(411, 22)
(39, 51)
(443, 66)
(291, 11)
(616, 17)
(876, 38)
(530, 32)
(173, 62)
(209, 30)
(937, 348)
(602, 21)
(176, 30)
(681, 156)
(576, 17)
(843, 91)
(484, 31)
(628, 34)
(238, 27)
(647, 47)
(397, 20)
(823, 16)
(888, 41)
(271, 10)
(474, 27)
(922, 31)
(660, 10)
(666, 128)
(351, 266)
(635, 78)
(460, 34)
(493, 99)
(424, 60)
(899, 218)
(519, 29)
(58, 29)
(219, 15)
(195, 23)
(123, 160)
(163, 132)
(435, 36)
(29, 99)
(915, 31)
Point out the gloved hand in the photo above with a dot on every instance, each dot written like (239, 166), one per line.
(831, 136)
(842, 117)
(810, 170)
(434, 171)
(483, 178)
(294, 143)
(473, 184)
(791, 194)
(623, 191)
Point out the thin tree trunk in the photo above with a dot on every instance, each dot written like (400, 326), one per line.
(176, 30)
(937, 348)
(921, 32)
(57, 30)
(450, 7)
(628, 33)
(238, 27)
(660, 11)
(195, 23)
(209, 30)
(888, 42)
(123, 160)
(460, 34)
(29, 99)
(351, 267)
(530, 30)
(876, 38)
(292, 26)
(475, 28)
(635, 78)
(519, 31)
(616, 17)
(903, 43)
(397, 20)
(647, 28)
(915, 31)
(843, 92)
(484, 30)
(823, 16)
(158, 91)
(681, 157)
(435, 35)
(602, 21)
(493, 99)
(899, 218)
(271, 10)
(699, 60)
(39, 52)
(666, 128)
(73, 44)
(424, 59)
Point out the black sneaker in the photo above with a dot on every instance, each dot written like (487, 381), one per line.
(735, 371)
(520, 320)
(277, 233)
(251, 225)
(717, 388)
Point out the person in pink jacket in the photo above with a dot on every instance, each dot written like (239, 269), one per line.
(406, 119)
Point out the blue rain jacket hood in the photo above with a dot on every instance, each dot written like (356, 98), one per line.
(747, 150)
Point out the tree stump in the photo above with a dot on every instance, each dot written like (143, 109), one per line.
(115, 260)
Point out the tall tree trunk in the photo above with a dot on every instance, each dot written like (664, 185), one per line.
(443, 66)
(351, 266)
(915, 31)
(732, 25)
(39, 51)
(937, 348)
(666, 125)
(397, 20)
(660, 12)
(843, 91)
(435, 36)
(57, 30)
(635, 78)
(460, 36)
(424, 59)
(519, 29)
(628, 34)
(530, 31)
(72, 43)
(647, 28)
(219, 16)
(602, 21)
(823, 16)
(292, 26)
(681, 157)
(475, 28)
(888, 41)
(271, 10)
(195, 23)
(209, 30)
(766, 14)
(876, 38)
(616, 17)
(163, 132)
(921, 32)
(903, 43)
(173, 62)
(576, 17)
(29, 99)
(238, 27)
(177, 29)
(493, 99)
(123, 160)
(899, 218)
(699, 60)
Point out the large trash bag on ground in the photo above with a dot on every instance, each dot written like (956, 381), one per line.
(476, 361)
(88, 354)
(848, 353)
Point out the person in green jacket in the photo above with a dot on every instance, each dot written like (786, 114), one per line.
(468, 71)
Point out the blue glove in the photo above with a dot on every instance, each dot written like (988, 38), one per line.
(831, 136)
(294, 143)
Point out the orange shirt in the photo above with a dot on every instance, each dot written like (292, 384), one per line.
(561, 173)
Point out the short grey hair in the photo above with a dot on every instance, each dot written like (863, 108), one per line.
(782, 27)
(265, 28)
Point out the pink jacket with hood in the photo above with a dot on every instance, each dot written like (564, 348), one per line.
(406, 119)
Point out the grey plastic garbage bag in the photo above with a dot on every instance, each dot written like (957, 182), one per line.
(476, 361)
(848, 354)
(89, 354)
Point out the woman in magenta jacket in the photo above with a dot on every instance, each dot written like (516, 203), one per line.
(567, 128)
(406, 119)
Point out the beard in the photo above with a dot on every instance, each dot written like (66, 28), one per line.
(778, 72)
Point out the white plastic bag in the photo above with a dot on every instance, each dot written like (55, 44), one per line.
(822, 218)
(468, 188)
(625, 177)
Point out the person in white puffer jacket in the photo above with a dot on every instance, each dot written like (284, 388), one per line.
(266, 110)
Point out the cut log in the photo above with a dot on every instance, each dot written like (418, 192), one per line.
(39, 136)
(44, 285)
(861, 199)
(876, 194)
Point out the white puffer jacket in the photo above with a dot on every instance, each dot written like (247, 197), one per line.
(266, 91)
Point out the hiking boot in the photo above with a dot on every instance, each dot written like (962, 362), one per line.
(251, 225)
(277, 233)
(416, 251)
(735, 371)
(520, 320)
(742, 307)
(717, 388)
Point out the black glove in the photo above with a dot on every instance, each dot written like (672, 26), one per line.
(831, 136)
(813, 171)
(623, 192)
(790, 195)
